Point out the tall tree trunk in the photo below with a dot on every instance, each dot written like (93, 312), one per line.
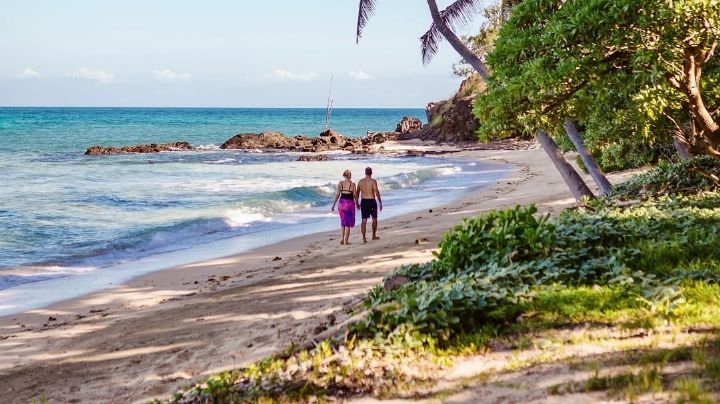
(692, 69)
(471, 58)
(587, 159)
(577, 186)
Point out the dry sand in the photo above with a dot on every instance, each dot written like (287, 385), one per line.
(149, 337)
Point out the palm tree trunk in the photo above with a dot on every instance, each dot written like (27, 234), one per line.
(577, 186)
(471, 58)
(587, 159)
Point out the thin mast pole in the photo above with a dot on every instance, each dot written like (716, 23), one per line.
(329, 104)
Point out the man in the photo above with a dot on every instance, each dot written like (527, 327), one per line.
(368, 192)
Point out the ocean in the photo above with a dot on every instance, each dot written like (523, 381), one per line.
(72, 224)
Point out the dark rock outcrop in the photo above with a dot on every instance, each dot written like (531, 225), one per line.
(408, 124)
(139, 148)
(453, 120)
(313, 157)
(373, 138)
(263, 140)
(327, 141)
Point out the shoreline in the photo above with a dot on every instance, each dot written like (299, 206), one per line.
(80, 282)
(170, 327)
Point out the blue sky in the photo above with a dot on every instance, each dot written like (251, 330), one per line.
(270, 53)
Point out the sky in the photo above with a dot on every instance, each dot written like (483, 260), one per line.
(218, 53)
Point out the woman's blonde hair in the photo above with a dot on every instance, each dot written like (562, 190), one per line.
(347, 173)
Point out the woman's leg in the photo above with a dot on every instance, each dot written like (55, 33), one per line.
(347, 235)
(342, 234)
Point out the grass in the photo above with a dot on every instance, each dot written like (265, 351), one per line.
(627, 385)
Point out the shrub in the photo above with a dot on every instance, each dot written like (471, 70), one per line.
(685, 177)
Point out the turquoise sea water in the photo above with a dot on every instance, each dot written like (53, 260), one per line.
(63, 214)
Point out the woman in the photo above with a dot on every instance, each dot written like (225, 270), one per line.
(347, 193)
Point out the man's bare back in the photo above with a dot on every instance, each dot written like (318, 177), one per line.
(367, 187)
(369, 202)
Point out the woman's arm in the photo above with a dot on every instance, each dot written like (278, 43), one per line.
(356, 194)
(337, 195)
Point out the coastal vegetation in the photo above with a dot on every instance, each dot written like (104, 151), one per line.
(644, 261)
(635, 76)
(635, 271)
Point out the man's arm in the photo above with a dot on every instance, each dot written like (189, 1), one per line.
(377, 193)
(357, 194)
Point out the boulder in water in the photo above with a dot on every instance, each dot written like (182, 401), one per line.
(262, 140)
(139, 148)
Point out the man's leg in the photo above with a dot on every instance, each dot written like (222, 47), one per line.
(374, 227)
(363, 228)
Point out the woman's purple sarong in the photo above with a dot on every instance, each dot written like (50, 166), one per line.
(346, 208)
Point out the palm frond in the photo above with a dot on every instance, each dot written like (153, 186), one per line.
(365, 11)
(455, 15)
(429, 43)
(460, 12)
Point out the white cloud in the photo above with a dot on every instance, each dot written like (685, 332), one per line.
(360, 75)
(288, 75)
(95, 75)
(29, 73)
(169, 75)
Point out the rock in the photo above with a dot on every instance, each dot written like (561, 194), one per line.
(394, 282)
(140, 148)
(262, 140)
(313, 157)
(378, 137)
(328, 140)
(408, 124)
(414, 153)
(453, 120)
(320, 328)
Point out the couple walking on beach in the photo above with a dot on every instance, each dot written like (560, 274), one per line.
(365, 196)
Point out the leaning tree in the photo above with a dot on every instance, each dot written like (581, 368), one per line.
(444, 22)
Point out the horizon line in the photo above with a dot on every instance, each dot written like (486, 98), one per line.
(191, 107)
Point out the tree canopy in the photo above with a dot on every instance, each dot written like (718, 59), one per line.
(620, 68)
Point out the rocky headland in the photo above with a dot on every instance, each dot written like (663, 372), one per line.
(452, 120)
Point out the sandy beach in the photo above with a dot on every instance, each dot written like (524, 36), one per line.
(147, 338)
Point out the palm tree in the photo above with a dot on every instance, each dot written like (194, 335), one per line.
(459, 12)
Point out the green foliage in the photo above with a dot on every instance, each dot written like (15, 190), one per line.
(614, 66)
(684, 177)
(624, 154)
